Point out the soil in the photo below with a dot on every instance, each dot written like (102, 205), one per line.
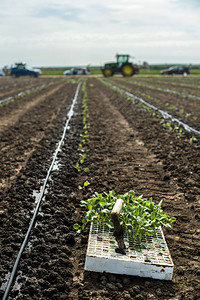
(11, 86)
(184, 108)
(178, 84)
(128, 149)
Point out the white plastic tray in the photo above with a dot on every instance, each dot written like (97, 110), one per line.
(153, 261)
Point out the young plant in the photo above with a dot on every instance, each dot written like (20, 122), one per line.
(193, 140)
(138, 217)
(84, 136)
(85, 184)
(83, 156)
(77, 167)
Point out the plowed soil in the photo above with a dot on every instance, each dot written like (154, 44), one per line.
(127, 149)
(184, 108)
(11, 86)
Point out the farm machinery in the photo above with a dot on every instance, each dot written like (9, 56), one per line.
(122, 66)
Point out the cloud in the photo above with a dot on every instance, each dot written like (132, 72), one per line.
(69, 14)
(76, 32)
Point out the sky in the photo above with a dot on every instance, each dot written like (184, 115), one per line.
(91, 32)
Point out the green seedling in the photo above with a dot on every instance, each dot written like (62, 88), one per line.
(181, 132)
(83, 156)
(173, 107)
(81, 149)
(84, 136)
(85, 184)
(138, 217)
(192, 140)
(77, 167)
(175, 128)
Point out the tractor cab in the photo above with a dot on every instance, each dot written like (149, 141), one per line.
(122, 59)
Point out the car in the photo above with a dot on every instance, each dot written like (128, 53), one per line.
(38, 71)
(2, 73)
(177, 70)
(21, 69)
(77, 71)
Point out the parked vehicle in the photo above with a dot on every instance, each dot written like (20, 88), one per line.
(122, 65)
(179, 70)
(2, 73)
(77, 71)
(21, 69)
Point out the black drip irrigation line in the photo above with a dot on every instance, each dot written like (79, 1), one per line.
(194, 97)
(26, 92)
(164, 114)
(175, 83)
(21, 93)
(69, 115)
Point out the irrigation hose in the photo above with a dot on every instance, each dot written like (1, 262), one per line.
(163, 113)
(21, 93)
(69, 116)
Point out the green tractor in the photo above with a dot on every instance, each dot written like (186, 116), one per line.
(122, 66)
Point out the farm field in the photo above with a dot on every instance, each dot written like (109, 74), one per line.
(128, 146)
(9, 86)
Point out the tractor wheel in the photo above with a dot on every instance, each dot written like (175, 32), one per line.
(127, 70)
(107, 72)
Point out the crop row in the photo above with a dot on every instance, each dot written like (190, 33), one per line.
(79, 166)
(181, 93)
(11, 87)
(163, 117)
(185, 90)
(40, 196)
(184, 112)
(28, 92)
(193, 82)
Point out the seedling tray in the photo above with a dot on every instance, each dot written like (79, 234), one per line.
(151, 258)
